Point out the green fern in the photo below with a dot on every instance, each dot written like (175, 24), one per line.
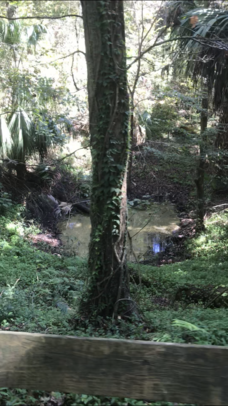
(187, 325)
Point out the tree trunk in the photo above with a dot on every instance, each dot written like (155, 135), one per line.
(130, 163)
(221, 141)
(109, 117)
(21, 171)
(201, 168)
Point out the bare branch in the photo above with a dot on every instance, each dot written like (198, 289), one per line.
(72, 74)
(140, 101)
(67, 56)
(201, 41)
(72, 153)
(152, 24)
(132, 236)
(41, 17)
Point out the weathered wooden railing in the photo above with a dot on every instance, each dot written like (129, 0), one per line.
(133, 369)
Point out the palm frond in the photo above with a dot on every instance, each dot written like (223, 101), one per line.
(40, 136)
(174, 10)
(210, 24)
(45, 133)
(206, 50)
(3, 29)
(34, 33)
(12, 34)
(5, 138)
(20, 126)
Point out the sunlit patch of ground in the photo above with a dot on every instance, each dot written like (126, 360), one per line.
(45, 238)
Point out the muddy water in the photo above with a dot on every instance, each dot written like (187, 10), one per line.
(148, 230)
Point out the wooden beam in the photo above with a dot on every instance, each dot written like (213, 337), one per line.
(124, 368)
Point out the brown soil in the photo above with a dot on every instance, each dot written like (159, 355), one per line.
(44, 238)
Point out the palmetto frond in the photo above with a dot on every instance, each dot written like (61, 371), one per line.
(34, 33)
(22, 136)
(3, 29)
(14, 33)
(10, 32)
(5, 138)
(20, 126)
(45, 133)
(40, 136)
(203, 24)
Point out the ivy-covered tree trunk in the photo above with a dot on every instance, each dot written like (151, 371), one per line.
(109, 116)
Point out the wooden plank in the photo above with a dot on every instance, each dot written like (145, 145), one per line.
(134, 369)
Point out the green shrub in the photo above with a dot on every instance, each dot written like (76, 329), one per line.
(160, 121)
(5, 201)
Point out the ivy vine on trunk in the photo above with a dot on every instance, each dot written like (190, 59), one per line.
(109, 128)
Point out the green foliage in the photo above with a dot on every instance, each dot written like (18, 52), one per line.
(21, 397)
(197, 326)
(52, 281)
(210, 25)
(161, 120)
(185, 324)
(41, 292)
(189, 321)
(19, 127)
(23, 136)
(25, 129)
(5, 138)
(45, 133)
(5, 201)
(41, 284)
(15, 32)
(10, 32)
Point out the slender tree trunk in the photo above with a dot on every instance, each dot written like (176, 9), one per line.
(132, 108)
(201, 168)
(130, 164)
(222, 137)
(109, 117)
(221, 143)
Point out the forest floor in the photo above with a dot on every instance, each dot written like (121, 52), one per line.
(184, 301)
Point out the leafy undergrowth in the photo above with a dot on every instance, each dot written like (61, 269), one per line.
(40, 292)
(187, 302)
(21, 397)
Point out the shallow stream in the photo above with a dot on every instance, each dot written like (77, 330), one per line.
(148, 228)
